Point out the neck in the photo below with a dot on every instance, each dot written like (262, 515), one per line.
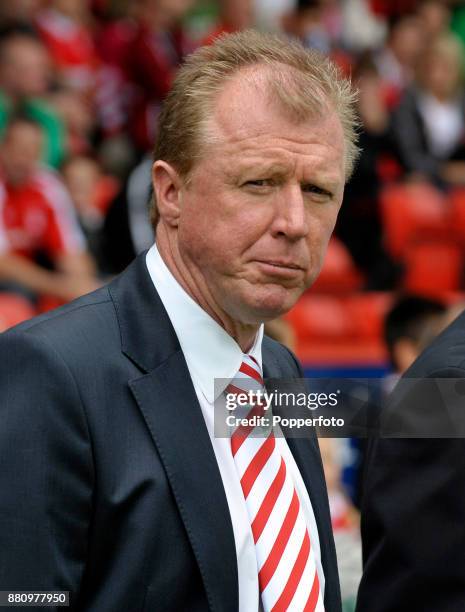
(442, 97)
(195, 286)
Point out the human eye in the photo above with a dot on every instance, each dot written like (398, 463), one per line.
(312, 189)
(259, 183)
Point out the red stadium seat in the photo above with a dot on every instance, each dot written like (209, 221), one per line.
(48, 302)
(411, 212)
(433, 268)
(367, 311)
(320, 316)
(457, 204)
(344, 330)
(13, 310)
(339, 273)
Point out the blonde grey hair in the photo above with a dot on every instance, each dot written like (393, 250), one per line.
(302, 81)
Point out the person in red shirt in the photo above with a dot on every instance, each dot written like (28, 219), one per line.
(158, 46)
(64, 26)
(37, 219)
(139, 55)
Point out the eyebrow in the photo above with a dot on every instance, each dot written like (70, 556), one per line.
(271, 168)
(274, 170)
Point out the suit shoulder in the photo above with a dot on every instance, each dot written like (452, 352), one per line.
(77, 325)
(446, 352)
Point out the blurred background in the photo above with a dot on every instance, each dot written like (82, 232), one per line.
(81, 83)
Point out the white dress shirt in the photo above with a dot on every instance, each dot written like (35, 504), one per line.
(210, 353)
(444, 124)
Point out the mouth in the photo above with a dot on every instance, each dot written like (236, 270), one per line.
(282, 269)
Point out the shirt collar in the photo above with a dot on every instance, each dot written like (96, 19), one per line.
(210, 352)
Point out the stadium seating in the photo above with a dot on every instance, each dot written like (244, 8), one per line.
(340, 329)
(13, 310)
(412, 212)
(433, 267)
(339, 273)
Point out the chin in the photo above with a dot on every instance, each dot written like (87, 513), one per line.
(272, 305)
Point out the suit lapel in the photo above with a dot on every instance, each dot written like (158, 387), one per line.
(169, 404)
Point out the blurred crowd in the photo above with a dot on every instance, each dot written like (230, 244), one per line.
(81, 85)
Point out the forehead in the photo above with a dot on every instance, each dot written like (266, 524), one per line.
(23, 132)
(251, 127)
(23, 46)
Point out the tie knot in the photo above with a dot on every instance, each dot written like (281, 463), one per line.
(251, 369)
(247, 386)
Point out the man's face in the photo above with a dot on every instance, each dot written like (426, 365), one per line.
(24, 70)
(441, 74)
(20, 152)
(261, 205)
(408, 41)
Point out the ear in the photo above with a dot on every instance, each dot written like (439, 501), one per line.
(405, 352)
(167, 188)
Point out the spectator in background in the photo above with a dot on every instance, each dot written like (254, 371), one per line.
(435, 17)
(397, 60)
(318, 24)
(24, 80)
(306, 22)
(235, 15)
(91, 192)
(429, 124)
(362, 28)
(269, 13)
(332, 17)
(65, 29)
(19, 11)
(78, 117)
(345, 521)
(359, 224)
(393, 8)
(82, 176)
(158, 47)
(411, 323)
(37, 221)
(127, 231)
(114, 89)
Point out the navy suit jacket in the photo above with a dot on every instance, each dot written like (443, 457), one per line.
(413, 509)
(109, 486)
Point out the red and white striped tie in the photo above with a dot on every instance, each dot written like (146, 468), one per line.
(287, 575)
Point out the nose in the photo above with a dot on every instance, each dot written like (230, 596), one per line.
(291, 216)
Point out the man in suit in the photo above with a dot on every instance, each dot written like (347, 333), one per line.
(113, 484)
(413, 507)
